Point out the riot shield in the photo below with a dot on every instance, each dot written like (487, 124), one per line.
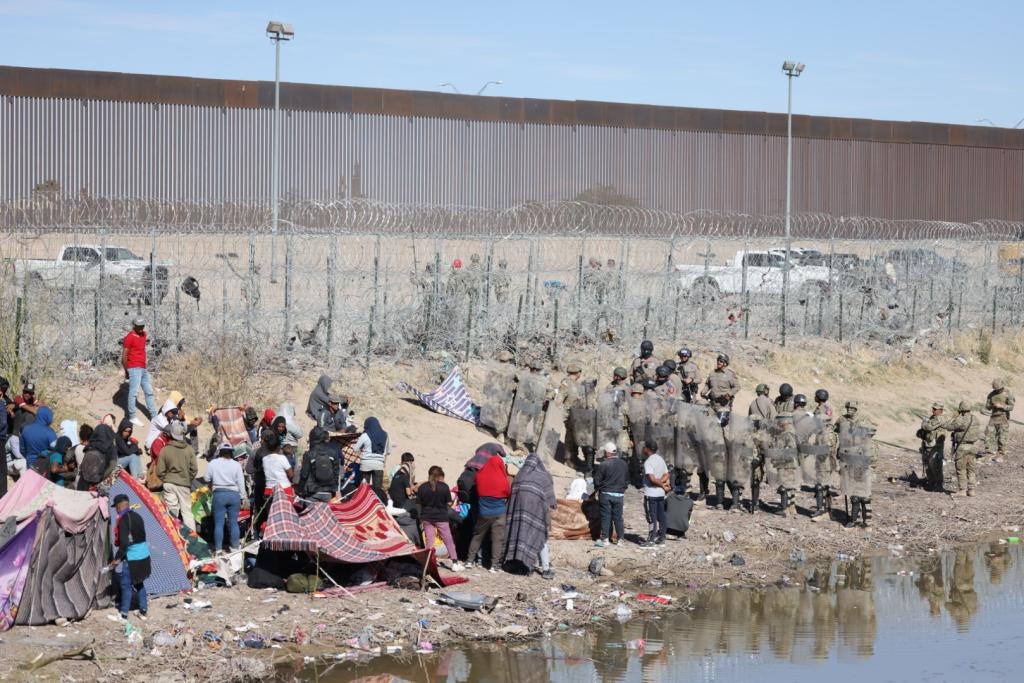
(639, 422)
(710, 441)
(739, 449)
(814, 450)
(583, 418)
(527, 409)
(496, 400)
(609, 416)
(687, 455)
(854, 460)
(784, 462)
(662, 411)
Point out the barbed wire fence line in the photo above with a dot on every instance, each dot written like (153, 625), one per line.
(361, 279)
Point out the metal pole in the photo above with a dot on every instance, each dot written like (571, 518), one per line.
(332, 258)
(288, 286)
(789, 197)
(275, 160)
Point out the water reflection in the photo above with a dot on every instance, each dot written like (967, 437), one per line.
(829, 616)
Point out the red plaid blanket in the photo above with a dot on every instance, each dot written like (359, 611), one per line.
(231, 426)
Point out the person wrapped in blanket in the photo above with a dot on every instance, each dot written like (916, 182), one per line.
(131, 558)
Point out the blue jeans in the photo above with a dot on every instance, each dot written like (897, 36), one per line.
(127, 588)
(132, 463)
(225, 503)
(137, 376)
(656, 517)
(611, 512)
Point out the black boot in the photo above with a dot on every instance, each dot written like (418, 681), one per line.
(736, 494)
(783, 502)
(819, 502)
(719, 494)
(703, 477)
(755, 497)
(851, 521)
(865, 509)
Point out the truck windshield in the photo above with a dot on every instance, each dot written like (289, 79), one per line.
(120, 254)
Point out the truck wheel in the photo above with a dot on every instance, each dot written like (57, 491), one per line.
(705, 289)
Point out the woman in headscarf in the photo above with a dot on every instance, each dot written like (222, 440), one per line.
(128, 454)
(493, 491)
(99, 459)
(466, 488)
(529, 517)
(373, 447)
(318, 397)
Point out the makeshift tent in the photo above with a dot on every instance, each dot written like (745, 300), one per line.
(168, 556)
(52, 565)
(450, 398)
(359, 531)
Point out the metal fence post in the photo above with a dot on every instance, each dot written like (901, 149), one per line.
(250, 285)
(154, 304)
(98, 307)
(288, 256)
(469, 326)
(840, 316)
(332, 265)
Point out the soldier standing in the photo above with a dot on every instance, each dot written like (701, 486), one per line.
(784, 401)
(619, 377)
(966, 435)
(570, 393)
(499, 394)
(689, 375)
(800, 406)
(644, 366)
(635, 413)
(668, 384)
(783, 451)
(762, 410)
(998, 404)
(822, 409)
(933, 443)
(854, 445)
(474, 278)
(720, 389)
(501, 282)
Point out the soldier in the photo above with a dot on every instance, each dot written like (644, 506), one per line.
(637, 423)
(498, 395)
(571, 394)
(741, 453)
(644, 365)
(500, 281)
(762, 441)
(861, 499)
(762, 410)
(619, 377)
(783, 453)
(722, 384)
(800, 406)
(966, 435)
(689, 375)
(784, 401)
(998, 404)
(526, 420)
(668, 384)
(816, 457)
(933, 443)
(474, 277)
(713, 452)
(857, 453)
(822, 409)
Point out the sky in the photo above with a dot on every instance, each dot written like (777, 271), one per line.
(940, 61)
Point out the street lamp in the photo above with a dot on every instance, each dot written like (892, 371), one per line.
(449, 85)
(995, 125)
(792, 70)
(277, 31)
(484, 86)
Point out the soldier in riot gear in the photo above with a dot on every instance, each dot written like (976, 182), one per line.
(966, 446)
(619, 379)
(784, 456)
(784, 401)
(822, 409)
(689, 375)
(713, 457)
(637, 423)
(740, 455)
(933, 445)
(800, 405)
(649, 384)
(762, 410)
(722, 384)
(500, 390)
(579, 417)
(527, 417)
(816, 459)
(687, 454)
(668, 383)
(857, 456)
(644, 366)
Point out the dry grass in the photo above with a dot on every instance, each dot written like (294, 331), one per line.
(221, 374)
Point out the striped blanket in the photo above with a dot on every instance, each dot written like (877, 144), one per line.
(450, 398)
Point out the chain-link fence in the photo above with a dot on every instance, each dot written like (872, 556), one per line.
(351, 281)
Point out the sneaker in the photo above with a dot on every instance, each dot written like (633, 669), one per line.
(136, 421)
(142, 614)
(660, 541)
(614, 541)
(599, 543)
(123, 616)
(493, 570)
(456, 566)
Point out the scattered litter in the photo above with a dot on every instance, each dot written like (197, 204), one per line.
(623, 613)
(515, 630)
(728, 536)
(254, 641)
(246, 627)
(737, 560)
(1013, 539)
(655, 582)
(568, 587)
(570, 595)
(470, 602)
(425, 646)
(569, 605)
(269, 600)
(659, 599)
(637, 644)
(797, 556)
(393, 649)
(165, 639)
(197, 604)
(596, 565)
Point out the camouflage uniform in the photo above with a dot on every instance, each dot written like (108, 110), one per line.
(672, 387)
(933, 445)
(998, 404)
(786, 438)
(501, 282)
(966, 447)
(570, 392)
(688, 374)
(850, 420)
(643, 368)
(762, 412)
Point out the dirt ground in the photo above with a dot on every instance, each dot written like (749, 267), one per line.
(890, 383)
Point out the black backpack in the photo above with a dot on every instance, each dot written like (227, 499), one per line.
(323, 467)
(41, 465)
(466, 484)
(94, 466)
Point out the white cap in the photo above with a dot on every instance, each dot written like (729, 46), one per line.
(610, 448)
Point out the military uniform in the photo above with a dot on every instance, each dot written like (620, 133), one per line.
(500, 282)
(998, 404)
(721, 386)
(689, 380)
(785, 440)
(643, 368)
(784, 404)
(966, 446)
(671, 387)
(762, 412)
(762, 441)
(858, 432)
(570, 392)
(933, 445)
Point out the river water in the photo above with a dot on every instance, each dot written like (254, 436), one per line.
(955, 616)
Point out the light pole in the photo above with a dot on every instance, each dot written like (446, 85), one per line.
(456, 90)
(792, 70)
(276, 31)
(449, 85)
(484, 86)
(995, 125)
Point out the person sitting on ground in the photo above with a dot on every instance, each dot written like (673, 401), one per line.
(373, 447)
(84, 435)
(493, 491)
(129, 456)
(577, 490)
(177, 469)
(99, 459)
(610, 483)
(37, 436)
(227, 483)
(529, 518)
(321, 468)
(26, 408)
(435, 498)
(131, 559)
(62, 463)
(403, 484)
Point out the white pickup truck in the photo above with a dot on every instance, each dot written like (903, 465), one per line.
(77, 267)
(763, 271)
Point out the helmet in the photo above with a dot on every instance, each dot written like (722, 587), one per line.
(650, 383)
(573, 368)
(637, 388)
(820, 395)
(762, 388)
(620, 373)
(684, 353)
(646, 348)
(670, 364)
(998, 383)
(851, 405)
(938, 406)
(662, 372)
(723, 358)
(964, 407)
(799, 400)
(785, 390)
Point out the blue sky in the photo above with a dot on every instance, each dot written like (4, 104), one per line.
(925, 61)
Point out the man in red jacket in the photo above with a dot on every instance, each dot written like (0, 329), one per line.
(133, 360)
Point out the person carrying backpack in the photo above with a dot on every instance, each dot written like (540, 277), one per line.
(321, 468)
(99, 459)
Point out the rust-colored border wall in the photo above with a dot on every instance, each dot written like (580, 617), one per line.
(124, 87)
